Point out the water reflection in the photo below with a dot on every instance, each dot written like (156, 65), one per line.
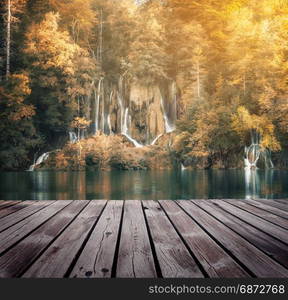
(252, 184)
(197, 184)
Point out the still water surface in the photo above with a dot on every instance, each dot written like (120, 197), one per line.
(187, 184)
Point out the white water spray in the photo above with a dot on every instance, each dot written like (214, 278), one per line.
(39, 161)
(168, 127)
(97, 105)
(156, 139)
(72, 137)
(254, 152)
(125, 129)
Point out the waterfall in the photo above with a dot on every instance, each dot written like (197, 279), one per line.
(110, 117)
(39, 161)
(183, 168)
(72, 137)
(125, 129)
(156, 139)
(254, 152)
(103, 112)
(125, 122)
(97, 104)
(109, 123)
(168, 127)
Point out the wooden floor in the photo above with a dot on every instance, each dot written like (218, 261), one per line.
(99, 238)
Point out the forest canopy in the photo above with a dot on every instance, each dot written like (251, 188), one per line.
(228, 58)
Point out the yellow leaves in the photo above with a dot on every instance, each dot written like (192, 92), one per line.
(61, 161)
(52, 47)
(21, 84)
(243, 122)
(80, 123)
(78, 14)
(13, 95)
(24, 111)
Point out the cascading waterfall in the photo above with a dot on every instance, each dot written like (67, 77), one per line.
(254, 152)
(168, 126)
(109, 124)
(97, 104)
(252, 155)
(109, 118)
(39, 161)
(72, 137)
(104, 113)
(125, 129)
(183, 168)
(156, 139)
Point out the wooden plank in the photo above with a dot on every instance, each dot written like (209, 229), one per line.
(261, 240)
(4, 204)
(55, 261)
(274, 203)
(135, 257)
(268, 208)
(12, 208)
(14, 262)
(18, 231)
(260, 213)
(27, 211)
(284, 201)
(255, 260)
(96, 259)
(174, 259)
(215, 261)
(266, 226)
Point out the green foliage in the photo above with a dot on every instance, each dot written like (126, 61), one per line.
(17, 133)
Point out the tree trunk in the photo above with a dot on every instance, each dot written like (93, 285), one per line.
(8, 41)
(101, 38)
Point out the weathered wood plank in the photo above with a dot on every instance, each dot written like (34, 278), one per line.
(96, 259)
(55, 261)
(266, 226)
(274, 203)
(25, 212)
(14, 262)
(135, 257)
(4, 204)
(18, 231)
(9, 209)
(261, 240)
(215, 261)
(284, 201)
(268, 208)
(174, 259)
(260, 213)
(255, 260)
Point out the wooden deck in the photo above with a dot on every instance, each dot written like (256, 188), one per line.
(99, 238)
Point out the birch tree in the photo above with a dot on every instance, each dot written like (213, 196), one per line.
(14, 8)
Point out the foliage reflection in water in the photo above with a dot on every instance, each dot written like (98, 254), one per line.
(185, 184)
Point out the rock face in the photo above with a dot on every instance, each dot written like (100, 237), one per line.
(147, 121)
(132, 108)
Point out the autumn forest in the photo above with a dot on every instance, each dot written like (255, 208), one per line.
(123, 84)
